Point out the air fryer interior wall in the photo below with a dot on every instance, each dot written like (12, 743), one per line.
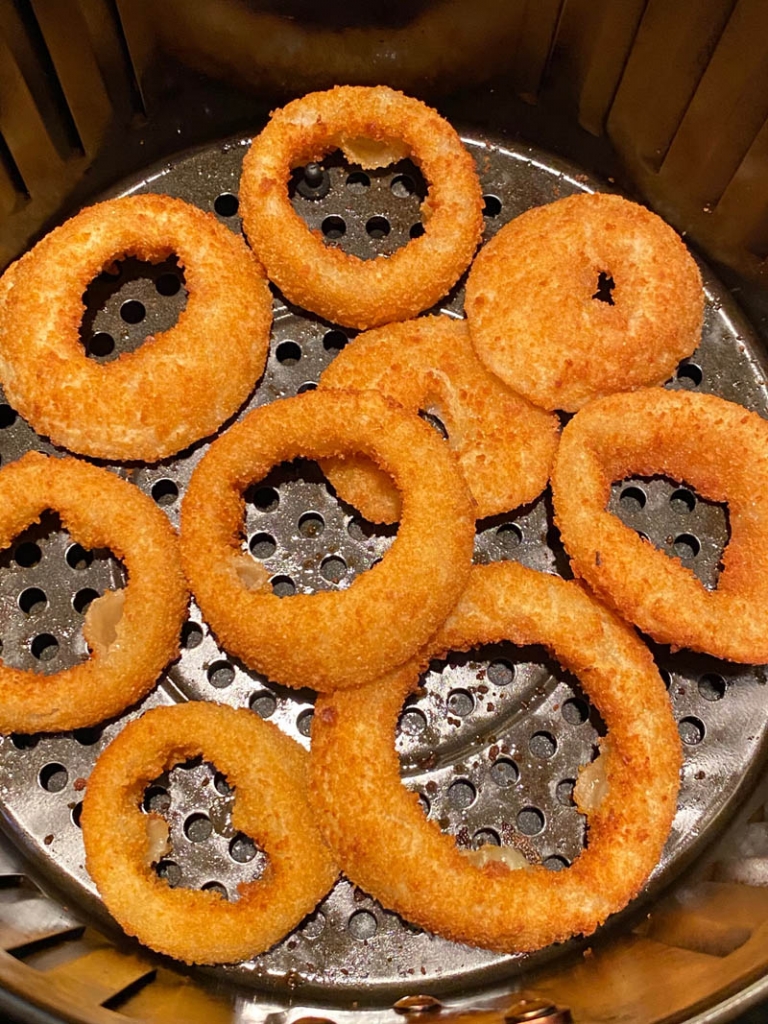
(93, 94)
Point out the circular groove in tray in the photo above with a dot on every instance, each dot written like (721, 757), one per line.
(497, 731)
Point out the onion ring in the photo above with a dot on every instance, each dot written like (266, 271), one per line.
(417, 870)
(179, 386)
(718, 448)
(132, 645)
(329, 640)
(268, 771)
(533, 309)
(504, 445)
(373, 127)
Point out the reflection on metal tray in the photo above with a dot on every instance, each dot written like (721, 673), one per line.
(494, 744)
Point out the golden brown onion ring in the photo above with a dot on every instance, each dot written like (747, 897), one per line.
(718, 448)
(417, 870)
(504, 445)
(329, 640)
(180, 385)
(268, 771)
(131, 649)
(373, 127)
(533, 312)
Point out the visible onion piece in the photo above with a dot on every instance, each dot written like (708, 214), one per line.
(158, 839)
(354, 635)
(506, 855)
(250, 573)
(356, 779)
(102, 619)
(592, 784)
(371, 153)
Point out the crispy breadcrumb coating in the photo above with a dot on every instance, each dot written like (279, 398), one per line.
(377, 829)
(504, 445)
(178, 386)
(718, 448)
(373, 126)
(329, 639)
(99, 510)
(268, 770)
(533, 312)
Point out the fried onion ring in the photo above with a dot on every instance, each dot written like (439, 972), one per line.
(329, 640)
(504, 445)
(131, 646)
(268, 771)
(533, 310)
(718, 448)
(180, 385)
(417, 870)
(374, 127)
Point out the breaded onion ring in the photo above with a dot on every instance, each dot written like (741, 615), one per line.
(534, 316)
(179, 386)
(504, 445)
(417, 870)
(133, 633)
(718, 448)
(268, 771)
(329, 640)
(373, 127)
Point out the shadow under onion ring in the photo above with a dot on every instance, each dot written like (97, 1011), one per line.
(417, 870)
(268, 771)
(99, 510)
(718, 448)
(373, 126)
(336, 639)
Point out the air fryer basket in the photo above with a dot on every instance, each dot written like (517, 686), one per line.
(92, 93)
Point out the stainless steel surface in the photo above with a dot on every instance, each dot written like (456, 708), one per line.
(495, 742)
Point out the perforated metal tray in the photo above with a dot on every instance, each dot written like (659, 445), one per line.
(494, 744)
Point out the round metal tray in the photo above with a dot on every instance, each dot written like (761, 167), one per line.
(494, 744)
